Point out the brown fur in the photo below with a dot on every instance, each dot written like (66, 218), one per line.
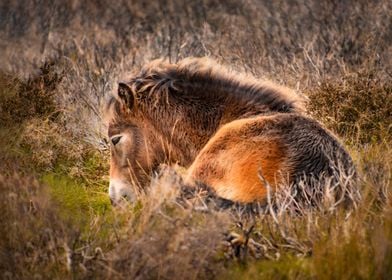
(172, 111)
(238, 161)
(282, 148)
(196, 96)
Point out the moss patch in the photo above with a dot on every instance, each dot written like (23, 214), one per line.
(78, 201)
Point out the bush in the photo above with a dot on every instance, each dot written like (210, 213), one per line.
(357, 106)
(23, 100)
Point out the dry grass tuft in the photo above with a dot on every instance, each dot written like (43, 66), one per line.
(166, 239)
(48, 144)
(33, 241)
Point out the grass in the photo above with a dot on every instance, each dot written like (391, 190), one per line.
(363, 111)
(76, 197)
(286, 268)
(61, 60)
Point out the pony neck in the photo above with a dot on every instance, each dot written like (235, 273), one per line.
(183, 130)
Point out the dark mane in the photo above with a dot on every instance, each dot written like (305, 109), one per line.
(201, 75)
(205, 78)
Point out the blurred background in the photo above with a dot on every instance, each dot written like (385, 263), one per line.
(92, 44)
(61, 59)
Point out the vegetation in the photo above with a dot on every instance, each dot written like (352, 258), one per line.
(61, 59)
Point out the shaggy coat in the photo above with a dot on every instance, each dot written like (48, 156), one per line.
(227, 127)
(246, 154)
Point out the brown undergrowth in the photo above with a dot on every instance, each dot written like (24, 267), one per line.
(56, 219)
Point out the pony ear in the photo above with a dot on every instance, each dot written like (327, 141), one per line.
(126, 96)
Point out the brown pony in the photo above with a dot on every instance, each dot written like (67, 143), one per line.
(225, 127)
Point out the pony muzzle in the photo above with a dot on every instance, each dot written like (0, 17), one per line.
(120, 190)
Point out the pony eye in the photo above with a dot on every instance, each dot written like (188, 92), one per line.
(115, 140)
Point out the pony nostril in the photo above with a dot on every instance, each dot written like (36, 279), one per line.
(118, 201)
(116, 139)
